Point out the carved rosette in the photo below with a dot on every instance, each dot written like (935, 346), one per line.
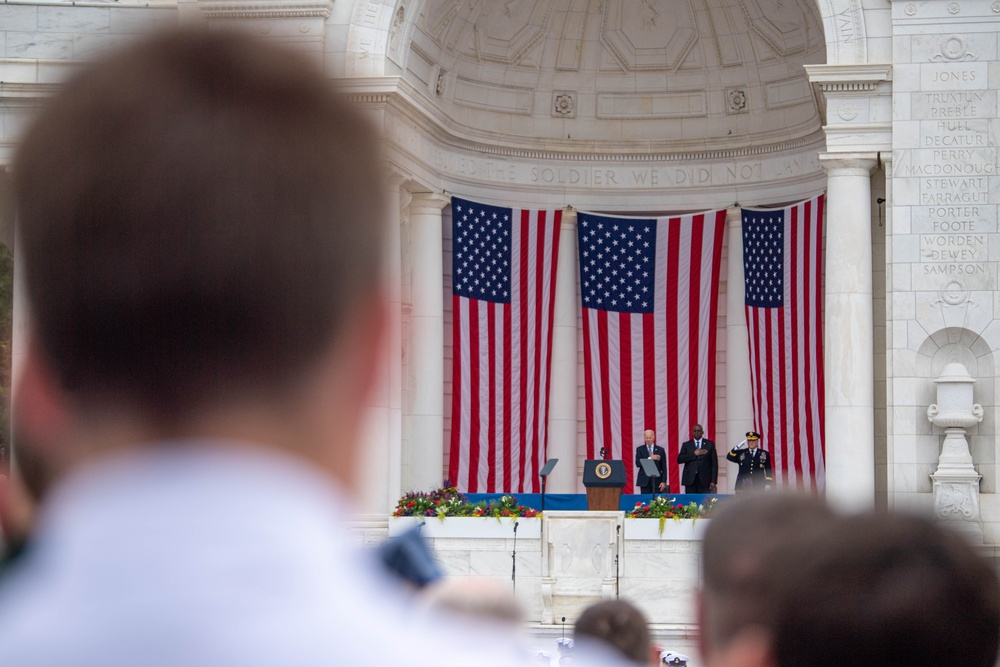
(564, 104)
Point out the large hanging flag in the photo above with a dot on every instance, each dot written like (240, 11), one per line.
(504, 270)
(650, 291)
(783, 266)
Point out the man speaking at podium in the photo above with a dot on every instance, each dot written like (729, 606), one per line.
(650, 450)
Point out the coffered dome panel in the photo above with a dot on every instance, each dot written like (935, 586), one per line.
(619, 76)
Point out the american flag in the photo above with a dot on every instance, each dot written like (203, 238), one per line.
(649, 290)
(783, 266)
(503, 286)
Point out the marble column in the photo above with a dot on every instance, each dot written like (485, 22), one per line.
(848, 335)
(381, 438)
(562, 392)
(739, 403)
(424, 462)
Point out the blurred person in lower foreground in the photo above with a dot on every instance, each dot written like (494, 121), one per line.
(202, 233)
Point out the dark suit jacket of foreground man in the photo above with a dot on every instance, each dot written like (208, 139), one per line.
(704, 467)
(642, 481)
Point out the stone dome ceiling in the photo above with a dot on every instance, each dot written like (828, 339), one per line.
(619, 76)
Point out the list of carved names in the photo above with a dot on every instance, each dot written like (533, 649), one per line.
(955, 167)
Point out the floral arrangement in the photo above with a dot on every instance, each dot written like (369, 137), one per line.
(447, 501)
(661, 508)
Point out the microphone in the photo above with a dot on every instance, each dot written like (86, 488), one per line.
(515, 527)
(604, 452)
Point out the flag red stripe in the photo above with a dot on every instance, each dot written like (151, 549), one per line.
(550, 268)
(649, 368)
(768, 422)
(793, 337)
(818, 425)
(456, 395)
(538, 285)
(672, 428)
(694, 298)
(649, 372)
(508, 400)
(588, 381)
(491, 445)
(501, 345)
(474, 397)
(523, 303)
(605, 380)
(786, 352)
(713, 298)
(625, 366)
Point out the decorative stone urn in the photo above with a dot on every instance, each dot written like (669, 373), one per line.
(956, 482)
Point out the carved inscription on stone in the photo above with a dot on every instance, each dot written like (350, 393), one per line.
(576, 175)
(953, 167)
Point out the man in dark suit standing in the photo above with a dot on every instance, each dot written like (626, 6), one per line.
(701, 463)
(755, 464)
(650, 450)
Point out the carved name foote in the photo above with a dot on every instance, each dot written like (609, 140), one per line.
(956, 482)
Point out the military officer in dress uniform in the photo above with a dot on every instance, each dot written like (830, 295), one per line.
(755, 464)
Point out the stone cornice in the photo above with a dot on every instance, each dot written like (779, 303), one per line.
(27, 90)
(396, 93)
(230, 9)
(864, 162)
(849, 78)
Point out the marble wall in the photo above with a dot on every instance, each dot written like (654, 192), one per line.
(942, 241)
(570, 560)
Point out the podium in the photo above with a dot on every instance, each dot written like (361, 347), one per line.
(604, 481)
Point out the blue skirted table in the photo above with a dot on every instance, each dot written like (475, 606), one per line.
(578, 501)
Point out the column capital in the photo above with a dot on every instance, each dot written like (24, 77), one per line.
(848, 164)
(428, 202)
(734, 216)
(568, 222)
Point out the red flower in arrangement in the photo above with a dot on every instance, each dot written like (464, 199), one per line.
(447, 501)
(669, 509)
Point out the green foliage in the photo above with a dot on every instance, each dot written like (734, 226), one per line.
(447, 501)
(663, 509)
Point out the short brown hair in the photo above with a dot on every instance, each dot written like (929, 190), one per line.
(744, 550)
(615, 623)
(199, 213)
(888, 591)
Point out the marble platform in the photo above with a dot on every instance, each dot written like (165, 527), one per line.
(571, 559)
